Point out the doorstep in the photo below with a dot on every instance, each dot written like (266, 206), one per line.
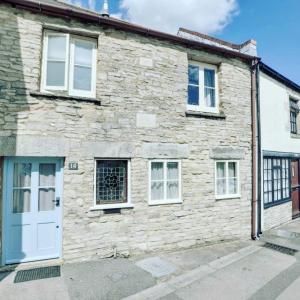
(32, 265)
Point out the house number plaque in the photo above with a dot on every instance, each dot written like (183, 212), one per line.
(73, 166)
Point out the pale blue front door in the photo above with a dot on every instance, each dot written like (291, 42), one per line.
(32, 207)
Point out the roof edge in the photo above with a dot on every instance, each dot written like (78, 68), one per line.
(216, 40)
(52, 10)
(279, 77)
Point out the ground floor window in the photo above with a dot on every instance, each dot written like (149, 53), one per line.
(276, 179)
(111, 186)
(165, 182)
(227, 179)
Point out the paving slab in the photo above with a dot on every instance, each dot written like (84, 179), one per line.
(240, 279)
(292, 292)
(156, 266)
(106, 279)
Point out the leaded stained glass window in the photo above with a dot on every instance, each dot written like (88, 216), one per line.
(111, 181)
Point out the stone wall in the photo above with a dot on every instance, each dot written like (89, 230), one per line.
(142, 86)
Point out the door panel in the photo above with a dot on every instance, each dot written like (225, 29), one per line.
(32, 218)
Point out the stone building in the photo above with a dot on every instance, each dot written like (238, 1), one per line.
(117, 139)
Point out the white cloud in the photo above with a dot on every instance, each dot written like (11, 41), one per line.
(206, 16)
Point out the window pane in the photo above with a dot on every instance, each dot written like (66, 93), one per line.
(111, 182)
(157, 190)
(221, 187)
(22, 175)
(83, 53)
(210, 97)
(46, 199)
(82, 78)
(157, 171)
(21, 201)
(172, 190)
(57, 47)
(232, 188)
(193, 95)
(193, 75)
(55, 73)
(47, 175)
(172, 170)
(209, 78)
(232, 169)
(221, 170)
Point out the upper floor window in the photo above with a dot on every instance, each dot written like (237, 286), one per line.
(69, 64)
(202, 88)
(294, 110)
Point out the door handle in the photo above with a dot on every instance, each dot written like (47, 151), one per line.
(57, 201)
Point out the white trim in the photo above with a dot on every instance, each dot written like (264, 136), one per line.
(202, 107)
(111, 206)
(44, 87)
(128, 204)
(72, 90)
(165, 200)
(228, 196)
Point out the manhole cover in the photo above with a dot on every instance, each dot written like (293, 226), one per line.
(280, 249)
(38, 273)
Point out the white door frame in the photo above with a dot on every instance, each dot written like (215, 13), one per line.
(60, 166)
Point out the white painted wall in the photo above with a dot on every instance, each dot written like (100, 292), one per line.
(276, 136)
(275, 116)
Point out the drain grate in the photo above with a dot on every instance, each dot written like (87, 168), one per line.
(281, 249)
(36, 274)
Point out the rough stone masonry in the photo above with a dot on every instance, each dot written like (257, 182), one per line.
(142, 87)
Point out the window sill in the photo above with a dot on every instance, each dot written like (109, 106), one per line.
(164, 202)
(63, 97)
(270, 205)
(111, 206)
(228, 197)
(208, 115)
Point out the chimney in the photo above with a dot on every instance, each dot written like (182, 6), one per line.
(105, 9)
(250, 48)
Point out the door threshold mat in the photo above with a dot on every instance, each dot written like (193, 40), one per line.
(281, 249)
(37, 273)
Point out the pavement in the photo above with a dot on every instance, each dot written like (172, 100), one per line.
(264, 270)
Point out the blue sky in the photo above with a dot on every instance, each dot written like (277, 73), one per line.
(275, 24)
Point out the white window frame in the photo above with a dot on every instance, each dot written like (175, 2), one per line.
(69, 69)
(128, 204)
(72, 90)
(228, 196)
(44, 86)
(202, 107)
(165, 200)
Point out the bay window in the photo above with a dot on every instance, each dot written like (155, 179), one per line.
(276, 181)
(69, 64)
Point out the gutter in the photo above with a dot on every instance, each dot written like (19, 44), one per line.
(259, 153)
(86, 16)
(255, 154)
